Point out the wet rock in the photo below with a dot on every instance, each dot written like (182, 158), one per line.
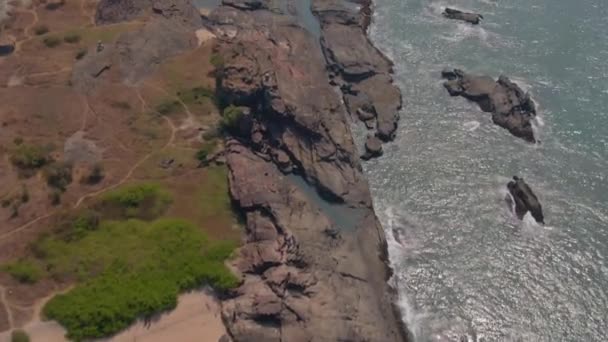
(472, 18)
(511, 107)
(525, 200)
(373, 148)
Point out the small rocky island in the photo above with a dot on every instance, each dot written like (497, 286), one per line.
(511, 107)
(525, 200)
(472, 18)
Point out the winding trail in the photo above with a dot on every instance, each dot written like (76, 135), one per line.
(9, 313)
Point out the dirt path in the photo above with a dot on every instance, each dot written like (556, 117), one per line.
(137, 164)
(4, 302)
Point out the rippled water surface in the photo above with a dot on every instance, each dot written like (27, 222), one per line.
(464, 265)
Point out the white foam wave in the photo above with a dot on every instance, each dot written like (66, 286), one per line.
(471, 125)
(410, 315)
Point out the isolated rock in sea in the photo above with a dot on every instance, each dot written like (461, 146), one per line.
(472, 18)
(373, 148)
(525, 200)
(511, 107)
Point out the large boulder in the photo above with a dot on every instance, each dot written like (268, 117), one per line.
(472, 18)
(525, 200)
(511, 107)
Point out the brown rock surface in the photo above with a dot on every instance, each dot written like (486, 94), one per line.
(361, 70)
(511, 108)
(306, 276)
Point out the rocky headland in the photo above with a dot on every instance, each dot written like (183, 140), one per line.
(309, 274)
(511, 107)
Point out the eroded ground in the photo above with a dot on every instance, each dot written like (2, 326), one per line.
(64, 143)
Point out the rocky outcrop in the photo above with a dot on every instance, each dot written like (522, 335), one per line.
(306, 276)
(362, 72)
(525, 200)
(115, 11)
(472, 18)
(136, 54)
(511, 107)
(373, 148)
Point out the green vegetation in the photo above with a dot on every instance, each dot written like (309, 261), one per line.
(231, 117)
(71, 38)
(40, 30)
(27, 156)
(168, 107)
(24, 271)
(196, 95)
(54, 5)
(217, 61)
(51, 42)
(19, 336)
(202, 154)
(215, 199)
(121, 105)
(134, 269)
(144, 201)
(81, 53)
(58, 175)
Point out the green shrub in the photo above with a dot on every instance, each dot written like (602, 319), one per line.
(54, 5)
(75, 225)
(24, 271)
(95, 176)
(231, 117)
(168, 107)
(26, 156)
(217, 61)
(134, 269)
(55, 197)
(58, 175)
(51, 42)
(19, 336)
(144, 200)
(41, 29)
(211, 134)
(196, 95)
(71, 38)
(81, 53)
(121, 105)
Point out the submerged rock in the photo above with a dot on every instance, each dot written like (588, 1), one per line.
(525, 200)
(511, 107)
(472, 18)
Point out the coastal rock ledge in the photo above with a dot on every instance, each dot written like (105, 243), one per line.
(309, 274)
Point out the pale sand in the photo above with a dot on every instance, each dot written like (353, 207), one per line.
(195, 319)
(203, 35)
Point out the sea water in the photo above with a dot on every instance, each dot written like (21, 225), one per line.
(466, 268)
